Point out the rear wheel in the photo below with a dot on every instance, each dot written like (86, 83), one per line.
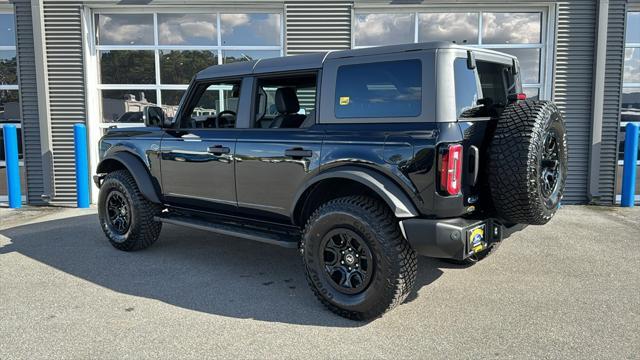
(357, 262)
(126, 217)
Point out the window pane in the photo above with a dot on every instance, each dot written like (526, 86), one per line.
(529, 60)
(125, 29)
(461, 28)
(383, 89)
(383, 29)
(633, 27)
(178, 67)
(466, 88)
(631, 101)
(7, 30)
(231, 56)
(9, 106)
(632, 65)
(511, 28)
(8, 68)
(250, 29)
(532, 93)
(125, 106)
(171, 100)
(187, 29)
(127, 67)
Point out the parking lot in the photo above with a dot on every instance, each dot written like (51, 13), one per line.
(570, 289)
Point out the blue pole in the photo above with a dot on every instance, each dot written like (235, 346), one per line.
(82, 164)
(630, 161)
(13, 167)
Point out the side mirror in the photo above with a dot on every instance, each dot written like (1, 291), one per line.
(154, 116)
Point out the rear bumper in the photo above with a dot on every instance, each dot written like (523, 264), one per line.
(450, 238)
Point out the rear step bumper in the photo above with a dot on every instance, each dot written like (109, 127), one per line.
(269, 235)
(455, 238)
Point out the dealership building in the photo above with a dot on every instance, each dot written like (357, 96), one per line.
(100, 62)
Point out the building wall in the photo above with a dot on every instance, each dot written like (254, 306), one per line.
(313, 26)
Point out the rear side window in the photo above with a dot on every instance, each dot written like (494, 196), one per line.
(466, 88)
(381, 89)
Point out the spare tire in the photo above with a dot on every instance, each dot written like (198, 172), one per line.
(528, 162)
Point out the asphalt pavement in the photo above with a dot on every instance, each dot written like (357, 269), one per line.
(569, 290)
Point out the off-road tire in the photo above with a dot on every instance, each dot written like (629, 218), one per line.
(142, 231)
(394, 261)
(515, 162)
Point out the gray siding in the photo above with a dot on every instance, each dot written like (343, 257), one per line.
(313, 26)
(29, 102)
(573, 88)
(612, 99)
(65, 74)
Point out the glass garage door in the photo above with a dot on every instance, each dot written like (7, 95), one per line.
(521, 34)
(149, 58)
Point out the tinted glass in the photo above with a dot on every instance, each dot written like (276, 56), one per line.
(632, 65)
(231, 56)
(511, 28)
(125, 29)
(382, 89)
(9, 105)
(171, 97)
(127, 67)
(7, 30)
(529, 60)
(178, 67)
(633, 27)
(461, 28)
(125, 106)
(8, 67)
(466, 87)
(383, 29)
(250, 29)
(187, 29)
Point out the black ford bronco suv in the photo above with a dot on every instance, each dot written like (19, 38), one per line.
(362, 159)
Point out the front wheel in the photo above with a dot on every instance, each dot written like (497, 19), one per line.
(357, 262)
(126, 217)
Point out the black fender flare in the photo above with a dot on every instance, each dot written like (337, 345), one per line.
(392, 194)
(137, 169)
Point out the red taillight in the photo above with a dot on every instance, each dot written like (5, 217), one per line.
(451, 169)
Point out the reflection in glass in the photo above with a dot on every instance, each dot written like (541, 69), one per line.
(127, 67)
(9, 106)
(124, 29)
(383, 29)
(178, 67)
(630, 111)
(632, 65)
(633, 27)
(461, 28)
(532, 93)
(529, 60)
(511, 28)
(187, 29)
(125, 106)
(8, 67)
(250, 29)
(231, 56)
(7, 30)
(171, 100)
(466, 88)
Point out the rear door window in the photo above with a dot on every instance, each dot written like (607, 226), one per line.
(379, 89)
(466, 88)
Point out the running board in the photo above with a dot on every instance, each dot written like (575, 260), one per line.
(271, 236)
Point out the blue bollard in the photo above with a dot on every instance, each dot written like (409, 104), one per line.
(630, 161)
(82, 164)
(13, 167)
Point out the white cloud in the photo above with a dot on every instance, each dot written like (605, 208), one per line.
(126, 30)
(632, 65)
(195, 29)
(383, 29)
(511, 28)
(449, 27)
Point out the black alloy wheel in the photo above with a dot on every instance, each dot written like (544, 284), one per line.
(118, 212)
(348, 261)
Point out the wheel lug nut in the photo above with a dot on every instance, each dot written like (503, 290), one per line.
(349, 269)
(342, 262)
(357, 255)
(343, 252)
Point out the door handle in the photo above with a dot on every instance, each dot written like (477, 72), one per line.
(298, 153)
(218, 150)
